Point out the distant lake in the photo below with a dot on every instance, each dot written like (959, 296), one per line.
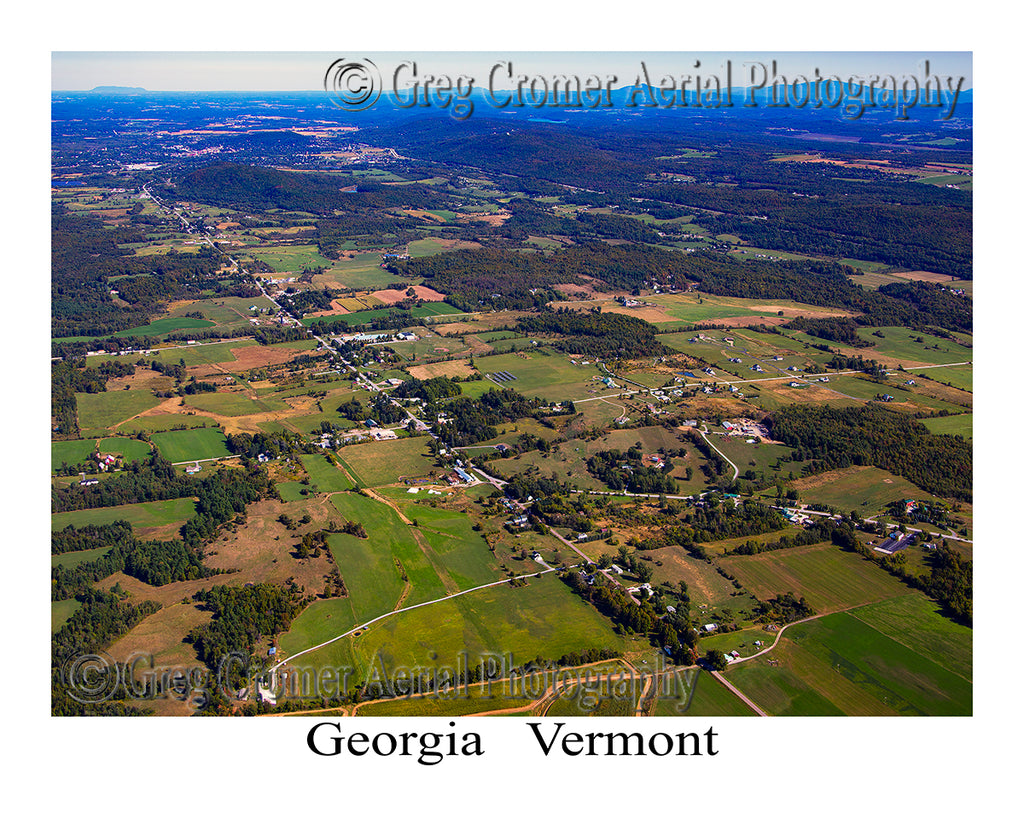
(553, 121)
(66, 183)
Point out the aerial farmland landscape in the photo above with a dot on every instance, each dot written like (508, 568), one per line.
(578, 411)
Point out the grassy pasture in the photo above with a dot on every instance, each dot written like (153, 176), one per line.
(961, 377)
(394, 541)
(290, 258)
(372, 576)
(896, 657)
(951, 425)
(384, 462)
(708, 590)
(710, 699)
(139, 515)
(156, 328)
(918, 622)
(162, 423)
(541, 619)
(60, 613)
(196, 354)
(233, 404)
(102, 410)
(191, 444)
(538, 373)
(70, 560)
(70, 452)
(829, 578)
(323, 475)
(291, 491)
(360, 272)
(865, 390)
(899, 343)
(463, 551)
(129, 448)
(228, 311)
(864, 488)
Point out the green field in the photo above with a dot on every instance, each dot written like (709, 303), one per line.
(962, 424)
(291, 491)
(895, 657)
(159, 327)
(71, 559)
(76, 452)
(139, 515)
(541, 619)
(372, 576)
(899, 342)
(232, 311)
(290, 258)
(427, 310)
(961, 377)
(541, 373)
(462, 551)
(211, 353)
(384, 462)
(828, 577)
(70, 452)
(233, 404)
(131, 449)
(323, 475)
(864, 488)
(191, 444)
(361, 272)
(862, 388)
(709, 699)
(60, 613)
(101, 410)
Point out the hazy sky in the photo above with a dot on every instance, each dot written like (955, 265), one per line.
(304, 71)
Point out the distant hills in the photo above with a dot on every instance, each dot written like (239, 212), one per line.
(117, 89)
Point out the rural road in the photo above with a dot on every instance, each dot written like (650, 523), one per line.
(750, 703)
(735, 469)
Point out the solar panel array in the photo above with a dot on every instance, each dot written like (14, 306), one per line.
(502, 377)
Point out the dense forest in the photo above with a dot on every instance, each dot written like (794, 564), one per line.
(611, 335)
(85, 254)
(241, 617)
(247, 186)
